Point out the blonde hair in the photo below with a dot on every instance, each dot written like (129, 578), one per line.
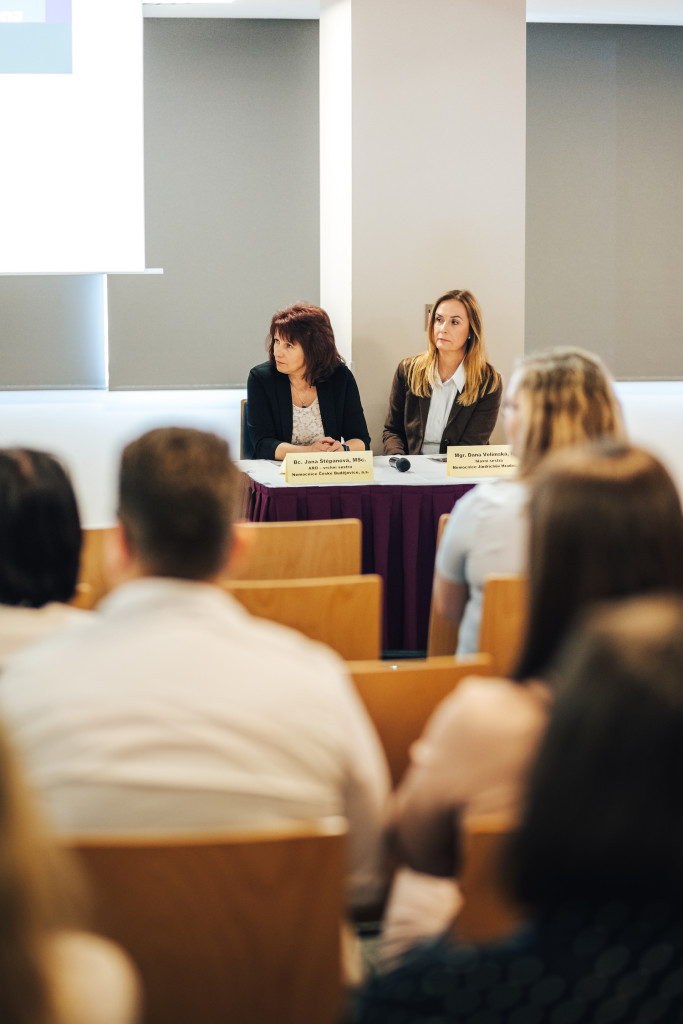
(480, 376)
(565, 397)
(35, 886)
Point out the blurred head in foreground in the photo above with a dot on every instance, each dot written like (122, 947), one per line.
(603, 817)
(40, 530)
(178, 496)
(558, 398)
(605, 522)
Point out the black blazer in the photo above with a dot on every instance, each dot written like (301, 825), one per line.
(269, 411)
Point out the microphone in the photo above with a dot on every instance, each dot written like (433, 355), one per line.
(399, 463)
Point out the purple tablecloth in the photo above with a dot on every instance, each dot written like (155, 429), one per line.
(399, 540)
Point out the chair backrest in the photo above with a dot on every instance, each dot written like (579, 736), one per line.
(401, 696)
(93, 581)
(246, 446)
(344, 612)
(299, 550)
(487, 913)
(443, 635)
(503, 620)
(239, 928)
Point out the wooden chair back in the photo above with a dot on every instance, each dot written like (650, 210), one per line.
(246, 447)
(93, 581)
(344, 612)
(239, 928)
(298, 550)
(487, 913)
(443, 635)
(401, 696)
(503, 620)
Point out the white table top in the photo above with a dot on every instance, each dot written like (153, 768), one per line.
(424, 469)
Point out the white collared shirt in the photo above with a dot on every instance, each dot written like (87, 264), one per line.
(444, 394)
(172, 708)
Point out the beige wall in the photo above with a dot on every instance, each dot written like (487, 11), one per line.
(436, 166)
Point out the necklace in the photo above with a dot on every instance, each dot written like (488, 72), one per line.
(297, 393)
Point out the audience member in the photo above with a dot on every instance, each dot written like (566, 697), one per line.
(597, 859)
(49, 973)
(448, 394)
(554, 399)
(174, 708)
(304, 399)
(40, 547)
(606, 523)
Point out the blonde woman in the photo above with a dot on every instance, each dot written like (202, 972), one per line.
(555, 399)
(449, 394)
(49, 974)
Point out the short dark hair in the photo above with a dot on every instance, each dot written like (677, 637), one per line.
(178, 494)
(602, 817)
(605, 522)
(309, 326)
(40, 529)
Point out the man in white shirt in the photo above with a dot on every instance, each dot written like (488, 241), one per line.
(172, 708)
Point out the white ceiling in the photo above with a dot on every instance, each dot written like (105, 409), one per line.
(625, 12)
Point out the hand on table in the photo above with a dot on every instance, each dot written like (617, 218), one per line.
(326, 444)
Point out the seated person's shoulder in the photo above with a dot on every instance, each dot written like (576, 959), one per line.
(262, 371)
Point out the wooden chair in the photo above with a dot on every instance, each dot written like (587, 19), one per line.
(401, 696)
(93, 581)
(443, 635)
(344, 612)
(487, 913)
(299, 550)
(237, 927)
(246, 447)
(503, 620)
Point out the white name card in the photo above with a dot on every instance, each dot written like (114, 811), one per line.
(480, 460)
(328, 467)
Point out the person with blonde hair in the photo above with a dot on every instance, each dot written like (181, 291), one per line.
(49, 973)
(554, 399)
(449, 394)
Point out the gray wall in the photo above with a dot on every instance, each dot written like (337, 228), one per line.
(604, 250)
(52, 331)
(232, 200)
(231, 126)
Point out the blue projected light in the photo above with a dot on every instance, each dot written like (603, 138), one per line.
(35, 37)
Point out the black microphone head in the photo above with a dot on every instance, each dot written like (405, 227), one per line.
(399, 463)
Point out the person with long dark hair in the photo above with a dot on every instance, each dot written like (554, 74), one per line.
(605, 523)
(40, 547)
(596, 861)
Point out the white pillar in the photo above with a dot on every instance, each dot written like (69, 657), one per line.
(422, 175)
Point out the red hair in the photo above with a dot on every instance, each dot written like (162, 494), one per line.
(309, 326)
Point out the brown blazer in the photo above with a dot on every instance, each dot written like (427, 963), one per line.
(406, 420)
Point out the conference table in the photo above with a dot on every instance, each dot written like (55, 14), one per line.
(400, 516)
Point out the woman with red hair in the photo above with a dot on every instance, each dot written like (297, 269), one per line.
(304, 399)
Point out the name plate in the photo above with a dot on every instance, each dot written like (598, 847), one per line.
(328, 467)
(480, 460)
